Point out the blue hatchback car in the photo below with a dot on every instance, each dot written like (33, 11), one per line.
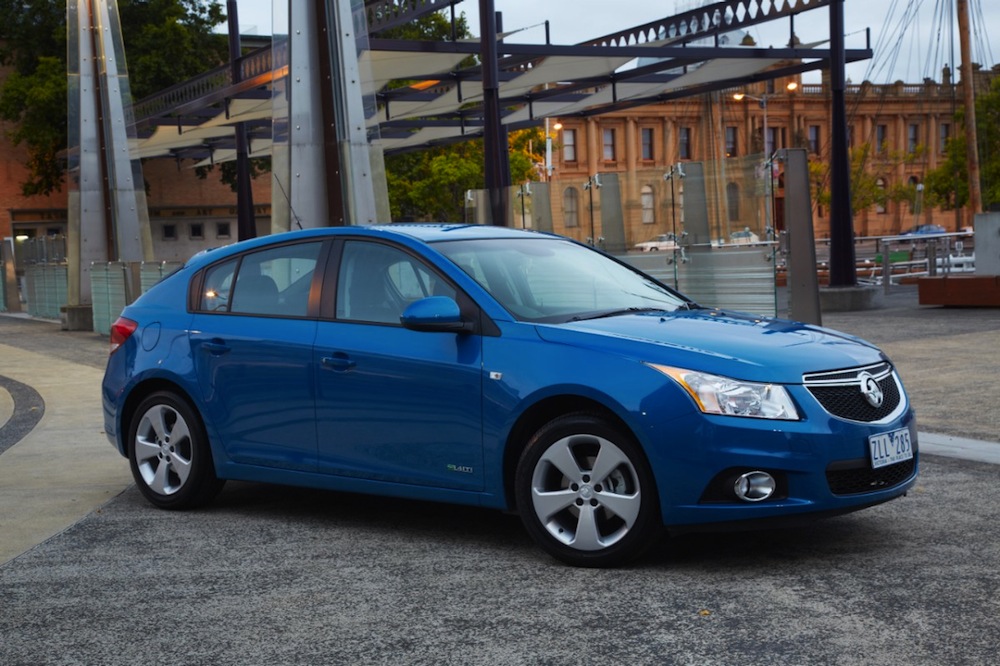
(500, 368)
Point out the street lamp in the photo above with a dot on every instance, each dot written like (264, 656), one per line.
(763, 104)
(762, 100)
(548, 147)
(767, 161)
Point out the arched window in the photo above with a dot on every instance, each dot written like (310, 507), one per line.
(648, 200)
(880, 206)
(571, 200)
(733, 201)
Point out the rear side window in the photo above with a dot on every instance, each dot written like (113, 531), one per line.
(276, 281)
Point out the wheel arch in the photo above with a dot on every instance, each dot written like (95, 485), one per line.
(536, 416)
(143, 390)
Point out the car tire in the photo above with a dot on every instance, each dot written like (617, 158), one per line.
(585, 492)
(169, 454)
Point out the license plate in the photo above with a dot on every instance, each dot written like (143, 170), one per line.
(889, 448)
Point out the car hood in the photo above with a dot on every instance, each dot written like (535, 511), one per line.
(727, 343)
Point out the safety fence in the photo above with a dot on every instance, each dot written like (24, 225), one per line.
(111, 283)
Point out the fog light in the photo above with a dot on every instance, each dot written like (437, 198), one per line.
(754, 486)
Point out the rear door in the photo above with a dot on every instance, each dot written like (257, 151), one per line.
(252, 339)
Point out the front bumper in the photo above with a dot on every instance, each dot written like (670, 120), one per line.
(821, 465)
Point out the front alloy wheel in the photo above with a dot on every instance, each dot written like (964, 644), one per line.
(169, 454)
(585, 492)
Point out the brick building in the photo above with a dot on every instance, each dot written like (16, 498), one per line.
(905, 125)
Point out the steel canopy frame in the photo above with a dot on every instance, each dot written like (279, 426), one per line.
(197, 100)
(479, 91)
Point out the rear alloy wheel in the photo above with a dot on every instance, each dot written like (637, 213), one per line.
(585, 492)
(169, 454)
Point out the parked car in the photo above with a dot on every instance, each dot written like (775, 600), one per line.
(498, 368)
(657, 243)
(745, 237)
(924, 229)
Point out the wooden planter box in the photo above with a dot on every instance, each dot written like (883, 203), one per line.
(960, 290)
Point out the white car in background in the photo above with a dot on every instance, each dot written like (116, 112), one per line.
(658, 243)
(745, 237)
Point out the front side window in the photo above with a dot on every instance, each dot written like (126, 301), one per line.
(814, 139)
(377, 282)
(912, 137)
(554, 280)
(881, 138)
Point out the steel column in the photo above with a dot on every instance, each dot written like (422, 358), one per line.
(842, 269)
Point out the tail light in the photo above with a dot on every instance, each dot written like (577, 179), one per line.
(121, 330)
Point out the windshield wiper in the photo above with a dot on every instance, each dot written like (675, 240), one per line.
(615, 313)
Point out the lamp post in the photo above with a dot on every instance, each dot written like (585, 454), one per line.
(548, 147)
(676, 172)
(762, 100)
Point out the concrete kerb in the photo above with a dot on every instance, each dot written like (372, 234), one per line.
(958, 447)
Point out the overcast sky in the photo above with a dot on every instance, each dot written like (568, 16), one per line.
(904, 33)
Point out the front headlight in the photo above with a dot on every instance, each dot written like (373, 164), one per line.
(731, 397)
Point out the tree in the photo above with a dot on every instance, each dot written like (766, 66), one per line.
(431, 184)
(166, 42)
(870, 186)
(948, 185)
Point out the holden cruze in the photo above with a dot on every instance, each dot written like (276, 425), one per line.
(499, 368)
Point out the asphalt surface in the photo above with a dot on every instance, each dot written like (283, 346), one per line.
(273, 575)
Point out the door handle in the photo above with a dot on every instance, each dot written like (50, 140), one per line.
(338, 361)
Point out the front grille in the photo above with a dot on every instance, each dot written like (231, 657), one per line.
(839, 392)
(860, 478)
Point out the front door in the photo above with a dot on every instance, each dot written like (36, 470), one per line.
(394, 404)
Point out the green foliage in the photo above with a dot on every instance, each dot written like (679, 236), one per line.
(431, 184)
(228, 173)
(948, 185)
(169, 41)
(166, 42)
(865, 189)
(31, 102)
(31, 30)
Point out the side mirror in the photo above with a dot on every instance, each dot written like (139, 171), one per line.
(435, 313)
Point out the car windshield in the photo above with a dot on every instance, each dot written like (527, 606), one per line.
(553, 280)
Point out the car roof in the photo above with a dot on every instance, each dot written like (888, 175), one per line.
(422, 232)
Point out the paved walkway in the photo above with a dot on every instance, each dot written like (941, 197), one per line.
(58, 468)
(62, 469)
